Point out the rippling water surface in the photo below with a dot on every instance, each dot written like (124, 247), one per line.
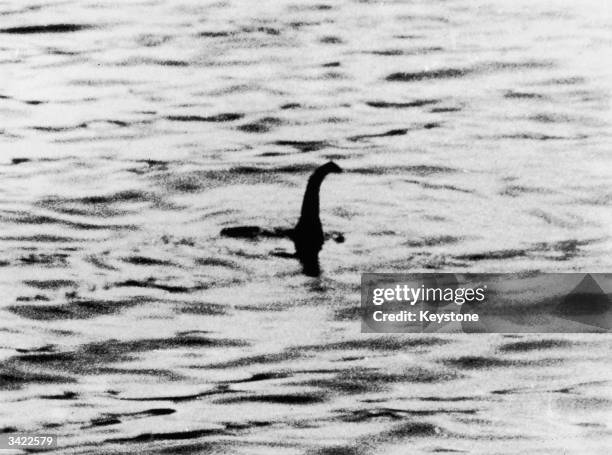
(475, 136)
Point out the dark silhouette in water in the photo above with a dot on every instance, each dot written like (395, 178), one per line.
(308, 235)
(308, 232)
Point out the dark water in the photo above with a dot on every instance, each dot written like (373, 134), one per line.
(475, 136)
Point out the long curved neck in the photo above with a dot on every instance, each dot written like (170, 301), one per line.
(310, 204)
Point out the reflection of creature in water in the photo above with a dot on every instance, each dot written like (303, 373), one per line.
(308, 233)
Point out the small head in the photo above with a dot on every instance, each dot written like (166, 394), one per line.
(330, 168)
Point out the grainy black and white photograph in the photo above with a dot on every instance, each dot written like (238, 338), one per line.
(192, 190)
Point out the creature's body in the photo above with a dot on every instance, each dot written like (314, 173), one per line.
(307, 236)
(308, 233)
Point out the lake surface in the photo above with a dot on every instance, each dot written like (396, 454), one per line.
(475, 136)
